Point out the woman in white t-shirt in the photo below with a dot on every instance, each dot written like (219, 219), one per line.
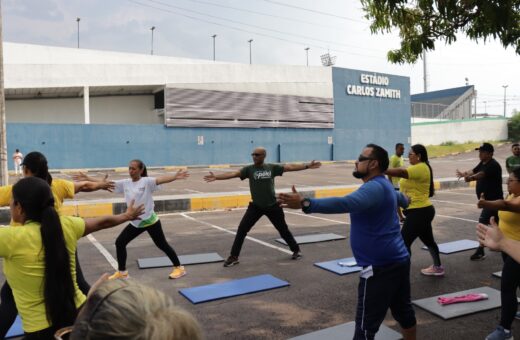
(139, 188)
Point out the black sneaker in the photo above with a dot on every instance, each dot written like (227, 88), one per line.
(479, 255)
(231, 261)
(296, 255)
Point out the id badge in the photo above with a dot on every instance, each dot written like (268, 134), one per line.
(367, 272)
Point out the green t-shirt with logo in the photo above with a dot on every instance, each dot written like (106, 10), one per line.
(261, 182)
(512, 163)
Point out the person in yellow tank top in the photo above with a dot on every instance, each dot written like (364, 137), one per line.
(38, 257)
(417, 183)
(35, 165)
(509, 225)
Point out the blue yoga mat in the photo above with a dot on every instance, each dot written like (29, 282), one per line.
(16, 329)
(456, 246)
(335, 267)
(231, 288)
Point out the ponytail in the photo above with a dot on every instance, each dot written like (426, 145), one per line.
(420, 150)
(36, 199)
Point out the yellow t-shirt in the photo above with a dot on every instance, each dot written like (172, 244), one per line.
(396, 162)
(61, 189)
(509, 222)
(417, 186)
(24, 267)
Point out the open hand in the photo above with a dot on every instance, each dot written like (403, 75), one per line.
(290, 200)
(210, 178)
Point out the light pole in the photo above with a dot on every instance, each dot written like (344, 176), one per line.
(214, 36)
(250, 55)
(152, 29)
(505, 88)
(78, 20)
(307, 53)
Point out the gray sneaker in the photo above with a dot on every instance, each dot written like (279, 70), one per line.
(500, 334)
(231, 261)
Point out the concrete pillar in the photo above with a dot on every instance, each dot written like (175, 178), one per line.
(86, 104)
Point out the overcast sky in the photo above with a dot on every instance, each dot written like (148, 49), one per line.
(280, 29)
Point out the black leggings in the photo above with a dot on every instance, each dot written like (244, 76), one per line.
(509, 283)
(156, 233)
(253, 213)
(418, 223)
(8, 310)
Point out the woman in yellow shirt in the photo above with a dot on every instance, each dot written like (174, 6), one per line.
(417, 183)
(509, 224)
(39, 259)
(35, 164)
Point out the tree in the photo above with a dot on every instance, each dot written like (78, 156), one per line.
(422, 22)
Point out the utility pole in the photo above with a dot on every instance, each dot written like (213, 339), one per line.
(425, 73)
(78, 20)
(152, 29)
(307, 53)
(4, 175)
(505, 105)
(250, 55)
(214, 36)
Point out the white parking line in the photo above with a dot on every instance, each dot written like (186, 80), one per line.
(457, 203)
(457, 218)
(316, 217)
(103, 251)
(234, 233)
(194, 191)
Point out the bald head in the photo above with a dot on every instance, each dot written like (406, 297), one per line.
(259, 155)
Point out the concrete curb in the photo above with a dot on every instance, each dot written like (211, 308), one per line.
(213, 201)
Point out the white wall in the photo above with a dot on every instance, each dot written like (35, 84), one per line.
(476, 130)
(123, 110)
(55, 110)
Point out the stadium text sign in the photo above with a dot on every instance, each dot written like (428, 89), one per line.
(368, 89)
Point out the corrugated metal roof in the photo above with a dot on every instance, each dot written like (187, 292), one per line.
(429, 96)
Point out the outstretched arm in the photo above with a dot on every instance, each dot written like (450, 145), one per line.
(494, 239)
(181, 174)
(226, 175)
(397, 172)
(82, 177)
(304, 166)
(87, 186)
(103, 222)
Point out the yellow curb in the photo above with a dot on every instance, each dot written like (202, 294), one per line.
(219, 166)
(94, 210)
(327, 162)
(437, 185)
(120, 169)
(72, 171)
(219, 202)
(320, 193)
(69, 210)
(176, 168)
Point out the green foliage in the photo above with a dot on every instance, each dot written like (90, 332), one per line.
(448, 143)
(422, 22)
(513, 127)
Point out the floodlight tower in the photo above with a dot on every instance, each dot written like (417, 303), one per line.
(328, 60)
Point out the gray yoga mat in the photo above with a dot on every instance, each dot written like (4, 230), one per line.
(313, 238)
(459, 309)
(158, 262)
(346, 331)
(456, 246)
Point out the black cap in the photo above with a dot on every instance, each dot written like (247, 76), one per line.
(486, 147)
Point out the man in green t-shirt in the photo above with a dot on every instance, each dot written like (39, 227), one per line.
(261, 184)
(513, 162)
(396, 161)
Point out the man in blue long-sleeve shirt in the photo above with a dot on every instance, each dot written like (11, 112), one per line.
(376, 243)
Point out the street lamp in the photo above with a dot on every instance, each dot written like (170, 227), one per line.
(152, 29)
(505, 88)
(307, 53)
(214, 36)
(78, 20)
(250, 55)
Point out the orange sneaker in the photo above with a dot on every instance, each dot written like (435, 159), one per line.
(119, 275)
(177, 272)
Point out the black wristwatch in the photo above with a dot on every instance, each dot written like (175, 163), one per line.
(306, 203)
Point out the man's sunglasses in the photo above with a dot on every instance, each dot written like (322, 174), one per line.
(257, 154)
(362, 158)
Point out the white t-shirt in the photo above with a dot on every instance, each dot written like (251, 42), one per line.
(141, 192)
(17, 158)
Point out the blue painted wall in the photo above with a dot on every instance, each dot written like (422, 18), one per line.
(358, 121)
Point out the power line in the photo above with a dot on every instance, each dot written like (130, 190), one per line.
(314, 11)
(260, 27)
(264, 14)
(253, 32)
